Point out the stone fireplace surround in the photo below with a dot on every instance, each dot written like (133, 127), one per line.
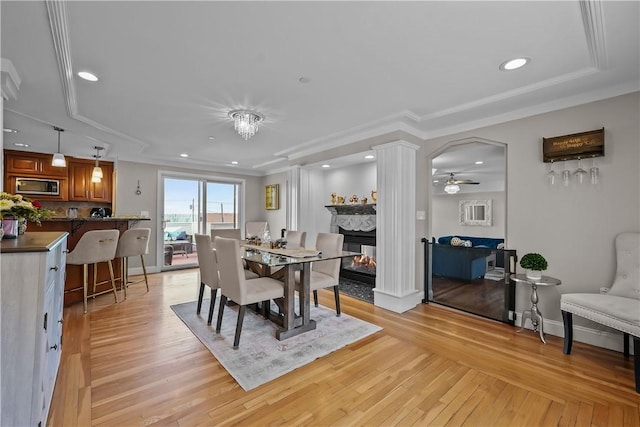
(357, 222)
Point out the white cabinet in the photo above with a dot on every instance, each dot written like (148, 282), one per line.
(32, 286)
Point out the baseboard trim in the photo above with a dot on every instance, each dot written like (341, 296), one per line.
(599, 338)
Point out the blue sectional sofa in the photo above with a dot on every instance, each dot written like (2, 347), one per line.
(460, 262)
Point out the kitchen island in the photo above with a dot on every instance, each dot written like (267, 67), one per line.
(77, 227)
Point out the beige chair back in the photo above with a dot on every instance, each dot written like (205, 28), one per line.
(255, 228)
(227, 233)
(231, 271)
(329, 244)
(207, 261)
(295, 239)
(627, 281)
(94, 246)
(133, 242)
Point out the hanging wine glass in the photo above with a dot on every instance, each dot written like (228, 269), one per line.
(552, 176)
(594, 173)
(566, 177)
(580, 173)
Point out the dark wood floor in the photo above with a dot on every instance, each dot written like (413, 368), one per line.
(481, 296)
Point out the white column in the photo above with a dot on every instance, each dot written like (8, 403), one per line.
(293, 197)
(395, 227)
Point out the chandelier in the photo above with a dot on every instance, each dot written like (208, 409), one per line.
(246, 122)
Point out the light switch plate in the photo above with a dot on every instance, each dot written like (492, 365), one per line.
(420, 215)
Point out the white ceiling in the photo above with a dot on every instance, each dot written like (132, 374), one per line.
(171, 71)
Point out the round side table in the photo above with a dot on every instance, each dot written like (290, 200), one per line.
(534, 313)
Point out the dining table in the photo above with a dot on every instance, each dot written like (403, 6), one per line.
(283, 263)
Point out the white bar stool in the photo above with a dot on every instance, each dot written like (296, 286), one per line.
(93, 247)
(133, 242)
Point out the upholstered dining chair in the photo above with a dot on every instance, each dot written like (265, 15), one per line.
(208, 263)
(326, 274)
(255, 228)
(133, 242)
(295, 239)
(95, 246)
(227, 233)
(236, 287)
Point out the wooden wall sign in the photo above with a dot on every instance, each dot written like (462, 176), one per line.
(575, 146)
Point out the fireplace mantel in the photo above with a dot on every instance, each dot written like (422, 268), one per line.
(353, 209)
(358, 217)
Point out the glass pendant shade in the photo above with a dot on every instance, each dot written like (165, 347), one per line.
(96, 176)
(451, 188)
(58, 159)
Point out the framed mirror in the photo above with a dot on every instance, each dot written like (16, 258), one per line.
(475, 212)
(271, 198)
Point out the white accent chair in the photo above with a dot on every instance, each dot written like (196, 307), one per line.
(236, 287)
(617, 308)
(255, 228)
(326, 274)
(95, 246)
(133, 242)
(208, 263)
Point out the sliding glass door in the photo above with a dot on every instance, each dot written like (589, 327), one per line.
(194, 205)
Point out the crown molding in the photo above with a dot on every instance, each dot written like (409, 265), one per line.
(10, 80)
(57, 12)
(593, 22)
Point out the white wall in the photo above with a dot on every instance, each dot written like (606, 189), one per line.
(573, 227)
(356, 180)
(446, 215)
(277, 218)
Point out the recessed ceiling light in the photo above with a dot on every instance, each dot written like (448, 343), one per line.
(9, 130)
(479, 162)
(234, 163)
(435, 181)
(184, 155)
(325, 166)
(514, 64)
(20, 144)
(211, 138)
(369, 156)
(87, 76)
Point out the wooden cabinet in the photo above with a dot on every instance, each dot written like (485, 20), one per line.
(33, 270)
(80, 186)
(31, 164)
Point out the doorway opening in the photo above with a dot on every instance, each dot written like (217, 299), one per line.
(194, 205)
(468, 263)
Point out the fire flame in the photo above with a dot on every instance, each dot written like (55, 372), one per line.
(363, 261)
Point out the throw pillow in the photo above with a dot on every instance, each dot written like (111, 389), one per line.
(182, 236)
(456, 241)
(467, 243)
(500, 246)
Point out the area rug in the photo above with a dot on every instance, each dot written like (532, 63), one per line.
(260, 357)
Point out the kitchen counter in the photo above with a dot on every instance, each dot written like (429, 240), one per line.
(32, 242)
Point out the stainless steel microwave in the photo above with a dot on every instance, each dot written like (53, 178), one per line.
(39, 186)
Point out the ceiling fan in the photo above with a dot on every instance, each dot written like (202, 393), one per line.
(452, 185)
(452, 180)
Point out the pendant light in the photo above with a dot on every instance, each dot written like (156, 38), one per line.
(96, 176)
(58, 159)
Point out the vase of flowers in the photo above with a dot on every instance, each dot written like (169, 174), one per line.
(16, 209)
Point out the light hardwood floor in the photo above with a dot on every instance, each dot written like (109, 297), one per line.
(135, 363)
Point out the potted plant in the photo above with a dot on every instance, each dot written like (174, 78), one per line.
(534, 264)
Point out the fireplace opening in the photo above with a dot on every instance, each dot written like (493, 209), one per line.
(361, 268)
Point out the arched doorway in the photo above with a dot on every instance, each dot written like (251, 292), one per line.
(468, 225)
